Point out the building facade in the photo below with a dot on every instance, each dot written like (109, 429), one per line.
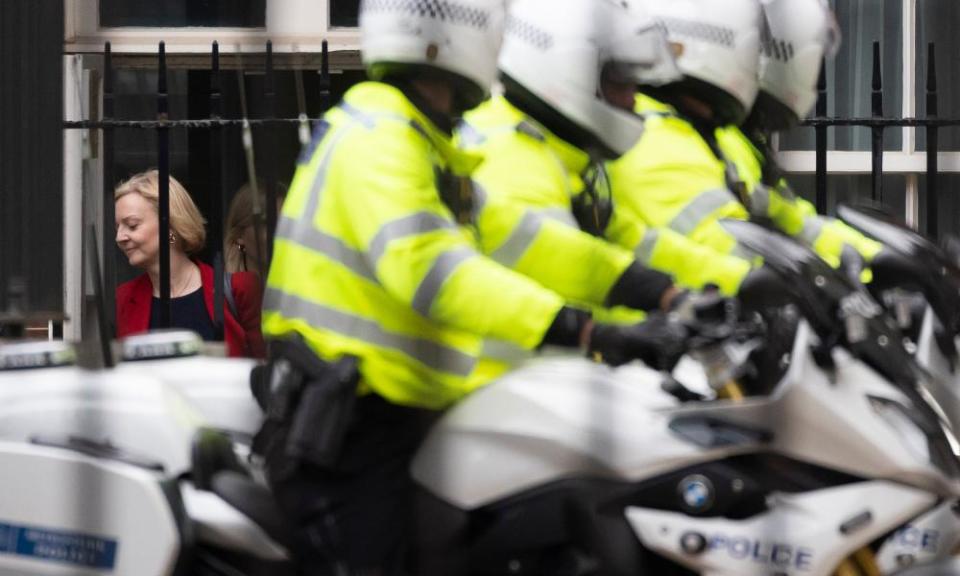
(32, 191)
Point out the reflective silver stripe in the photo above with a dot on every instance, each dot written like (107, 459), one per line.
(760, 200)
(479, 197)
(561, 215)
(644, 250)
(319, 180)
(519, 240)
(442, 269)
(527, 127)
(702, 206)
(431, 354)
(505, 352)
(360, 116)
(301, 230)
(370, 120)
(470, 136)
(329, 246)
(812, 226)
(412, 225)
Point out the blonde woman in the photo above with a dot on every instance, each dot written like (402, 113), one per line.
(191, 281)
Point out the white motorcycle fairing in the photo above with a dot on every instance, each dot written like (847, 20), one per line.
(810, 533)
(567, 418)
(935, 535)
(129, 410)
(218, 388)
(68, 513)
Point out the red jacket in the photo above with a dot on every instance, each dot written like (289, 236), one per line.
(243, 336)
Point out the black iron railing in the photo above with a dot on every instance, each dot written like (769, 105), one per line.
(878, 123)
(162, 124)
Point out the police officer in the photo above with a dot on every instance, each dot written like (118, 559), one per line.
(796, 36)
(544, 141)
(375, 266)
(690, 169)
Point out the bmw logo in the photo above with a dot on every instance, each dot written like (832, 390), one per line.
(693, 542)
(696, 493)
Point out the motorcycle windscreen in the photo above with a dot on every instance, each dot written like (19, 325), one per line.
(843, 313)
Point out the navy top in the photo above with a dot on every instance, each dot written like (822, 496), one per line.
(188, 312)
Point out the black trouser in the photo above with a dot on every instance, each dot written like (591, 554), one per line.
(355, 518)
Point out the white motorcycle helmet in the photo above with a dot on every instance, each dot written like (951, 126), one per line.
(797, 36)
(556, 52)
(717, 43)
(460, 39)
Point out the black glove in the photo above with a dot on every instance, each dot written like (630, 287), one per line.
(707, 316)
(658, 342)
(763, 288)
(640, 288)
(691, 307)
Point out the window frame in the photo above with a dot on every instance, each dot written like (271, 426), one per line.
(292, 25)
(908, 160)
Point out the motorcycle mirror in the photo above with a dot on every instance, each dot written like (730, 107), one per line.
(951, 247)
(806, 275)
(922, 261)
(886, 229)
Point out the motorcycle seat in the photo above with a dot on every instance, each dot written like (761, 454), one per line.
(216, 468)
(255, 501)
(212, 452)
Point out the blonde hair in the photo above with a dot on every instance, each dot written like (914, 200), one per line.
(186, 222)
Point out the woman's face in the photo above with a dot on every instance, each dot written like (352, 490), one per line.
(137, 229)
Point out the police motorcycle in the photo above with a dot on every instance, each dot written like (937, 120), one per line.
(570, 467)
(924, 301)
(135, 469)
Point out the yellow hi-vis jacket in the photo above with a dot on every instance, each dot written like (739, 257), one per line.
(528, 180)
(789, 212)
(370, 261)
(524, 215)
(673, 179)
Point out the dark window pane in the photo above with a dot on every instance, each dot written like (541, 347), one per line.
(850, 74)
(344, 12)
(948, 203)
(937, 23)
(175, 13)
(853, 189)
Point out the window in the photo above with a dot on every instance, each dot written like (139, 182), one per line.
(175, 13)
(904, 28)
(948, 203)
(849, 75)
(937, 23)
(344, 12)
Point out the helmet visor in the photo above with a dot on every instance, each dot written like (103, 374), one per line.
(643, 58)
(832, 35)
